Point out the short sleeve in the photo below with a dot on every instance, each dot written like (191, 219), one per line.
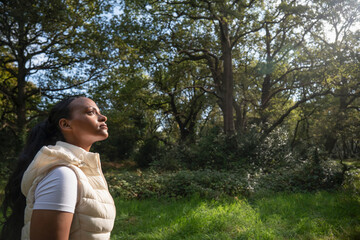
(57, 191)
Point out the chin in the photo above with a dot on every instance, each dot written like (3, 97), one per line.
(106, 136)
(102, 137)
(104, 133)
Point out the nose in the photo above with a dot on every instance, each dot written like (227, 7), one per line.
(102, 118)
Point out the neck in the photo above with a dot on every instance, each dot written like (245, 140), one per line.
(85, 146)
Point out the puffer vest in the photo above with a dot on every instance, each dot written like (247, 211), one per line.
(95, 210)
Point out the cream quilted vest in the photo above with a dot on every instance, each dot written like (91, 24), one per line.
(95, 210)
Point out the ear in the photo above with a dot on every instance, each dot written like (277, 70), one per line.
(64, 124)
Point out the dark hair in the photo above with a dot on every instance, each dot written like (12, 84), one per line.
(43, 134)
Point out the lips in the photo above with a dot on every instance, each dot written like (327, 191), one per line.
(103, 126)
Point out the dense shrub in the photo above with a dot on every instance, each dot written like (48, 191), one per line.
(130, 185)
(214, 150)
(144, 156)
(303, 177)
(282, 168)
(120, 144)
(172, 158)
(9, 151)
(271, 163)
(206, 183)
(274, 152)
(352, 179)
(5, 171)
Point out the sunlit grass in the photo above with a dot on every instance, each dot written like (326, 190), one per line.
(320, 215)
(312, 216)
(184, 219)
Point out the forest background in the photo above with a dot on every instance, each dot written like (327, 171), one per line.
(213, 97)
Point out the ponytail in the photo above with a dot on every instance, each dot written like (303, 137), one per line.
(43, 134)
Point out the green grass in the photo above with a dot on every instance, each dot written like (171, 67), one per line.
(320, 215)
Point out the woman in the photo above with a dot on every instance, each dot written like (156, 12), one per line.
(64, 193)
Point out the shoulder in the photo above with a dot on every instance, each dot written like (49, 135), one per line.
(61, 174)
(63, 171)
(57, 190)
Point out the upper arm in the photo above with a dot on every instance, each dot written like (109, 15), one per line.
(50, 224)
(55, 200)
(57, 191)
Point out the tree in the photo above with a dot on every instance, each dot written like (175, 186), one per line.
(204, 31)
(180, 95)
(341, 57)
(283, 78)
(46, 46)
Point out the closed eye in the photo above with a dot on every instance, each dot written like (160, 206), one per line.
(93, 111)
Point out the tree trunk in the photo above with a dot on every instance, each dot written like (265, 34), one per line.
(227, 80)
(265, 95)
(266, 85)
(21, 88)
(332, 135)
(240, 122)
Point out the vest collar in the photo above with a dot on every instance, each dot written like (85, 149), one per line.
(86, 158)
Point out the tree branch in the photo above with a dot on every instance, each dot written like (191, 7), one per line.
(296, 105)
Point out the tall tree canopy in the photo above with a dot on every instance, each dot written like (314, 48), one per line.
(46, 46)
(170, 69)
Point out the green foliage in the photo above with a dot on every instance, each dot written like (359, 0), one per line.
(205, 183)
(171, 158)
(216, 166)
(270, 164)
(48, 50)
(144, 156)
(302, 177)
(214, 150)
(161, 76)
(8, 147)
(120, 144)
(129, 185)
(4, 172)
(279, 167)
(352, 177)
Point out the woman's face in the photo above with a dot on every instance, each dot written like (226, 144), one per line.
(86, 125)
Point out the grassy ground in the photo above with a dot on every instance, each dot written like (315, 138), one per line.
(320, 215)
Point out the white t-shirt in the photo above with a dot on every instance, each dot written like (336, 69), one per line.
(57, 191)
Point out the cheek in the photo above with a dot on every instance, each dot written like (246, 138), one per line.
(83, 126)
